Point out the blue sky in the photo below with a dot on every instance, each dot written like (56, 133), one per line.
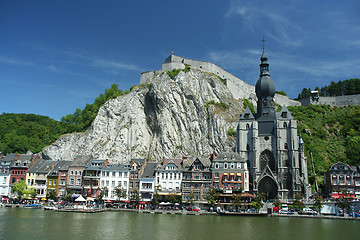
(56, 56)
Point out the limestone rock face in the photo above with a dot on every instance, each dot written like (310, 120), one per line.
(188, 115)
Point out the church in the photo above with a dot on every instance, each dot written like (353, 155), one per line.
(269, 143)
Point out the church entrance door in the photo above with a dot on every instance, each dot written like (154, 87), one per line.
(268, 186)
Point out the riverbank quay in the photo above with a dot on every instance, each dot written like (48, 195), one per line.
(315, 216)
(185, 212)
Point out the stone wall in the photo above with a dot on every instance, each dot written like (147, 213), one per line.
(338, 101)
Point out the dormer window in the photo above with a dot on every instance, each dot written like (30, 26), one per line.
(265, 103)
(284, 114)
(247, 116)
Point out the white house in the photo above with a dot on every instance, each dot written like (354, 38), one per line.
(115, 176)
(168, 175)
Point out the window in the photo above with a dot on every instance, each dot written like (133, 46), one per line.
(216, 165)
(113, 183)
(71, 181)
(125, 174)
(114, 174)
(216, 175)
(72, 172)
(78, 181)
(285, 125)
(247, 126)
(225, 165)
(232, 165)
(62, 182)
(107, 183)
(285, 146)
(125, 184)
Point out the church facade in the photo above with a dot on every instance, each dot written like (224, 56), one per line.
(269, 143)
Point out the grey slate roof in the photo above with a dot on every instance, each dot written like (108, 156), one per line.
(166, 161)
(42, 166)
(149, 171)
(190, 160)
(59, 165)
(229, 156)
(80, 161)
(95, 164)
(116, 167)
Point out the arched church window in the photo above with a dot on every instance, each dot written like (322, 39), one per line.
(247, 126)
(267, 159)
(286, 146)
(247, 147)
(285, 125)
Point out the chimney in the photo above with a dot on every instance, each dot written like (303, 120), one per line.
(163, 161)
(106, 162)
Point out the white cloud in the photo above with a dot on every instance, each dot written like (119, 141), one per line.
(13, 61)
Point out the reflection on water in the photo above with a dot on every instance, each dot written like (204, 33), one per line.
(39, 224)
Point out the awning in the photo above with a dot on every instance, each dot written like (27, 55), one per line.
(247, 195)
(125, 201)
(232, 174)
(43, 199)
(225, 173)
(90, 199)
(108, 201)
(80, 199)
(239, 174)
(142, 202)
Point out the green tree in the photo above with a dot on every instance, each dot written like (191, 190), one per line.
(298, 204)
(190, 198)
(51, 194)
(237, 200)
(135, 197)
(212, 197)
(120, 192)
(257, 203)
(344, 201)
(20, 189)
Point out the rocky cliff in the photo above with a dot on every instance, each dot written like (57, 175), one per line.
(187, 115)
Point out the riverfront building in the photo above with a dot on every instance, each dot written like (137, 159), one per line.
(115, 178)
(197, 178)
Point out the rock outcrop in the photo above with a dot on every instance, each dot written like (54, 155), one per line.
(192, 114)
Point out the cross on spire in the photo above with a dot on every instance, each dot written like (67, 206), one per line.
(263, 41)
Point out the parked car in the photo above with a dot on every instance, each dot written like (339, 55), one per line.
(193, 209)
(251, 210)
(354, 214)
(308, 211)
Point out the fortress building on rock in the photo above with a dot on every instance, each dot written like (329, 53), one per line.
(268, 141)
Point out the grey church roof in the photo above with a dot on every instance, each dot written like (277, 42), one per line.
(247, 115)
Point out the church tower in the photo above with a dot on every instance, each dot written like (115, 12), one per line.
(268, 141)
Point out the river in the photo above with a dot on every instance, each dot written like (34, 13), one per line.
(38, 224)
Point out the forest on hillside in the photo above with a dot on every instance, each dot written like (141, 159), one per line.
(330, 134)
(341, 88)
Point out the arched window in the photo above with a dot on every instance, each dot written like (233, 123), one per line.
(285, 146)
(267, 159)
(285, 125)
(247, 147)
(247, 126)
